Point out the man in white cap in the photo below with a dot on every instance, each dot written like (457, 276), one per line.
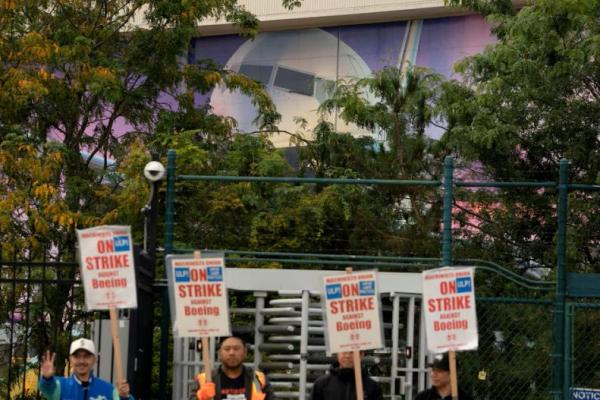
(82, 384)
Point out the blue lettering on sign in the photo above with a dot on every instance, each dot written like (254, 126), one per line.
(121, 243)
(585, 394)
(366, 288)
(214, 274)
(182, 274)
(333, 291)
(463, 285)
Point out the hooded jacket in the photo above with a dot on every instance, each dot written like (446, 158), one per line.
(339, 385)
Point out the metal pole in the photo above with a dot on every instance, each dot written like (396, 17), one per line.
(568, 351)
(259, 321)
(410, 340)
(141, 342)
(395, 334)
(165, 312)
(422, 352)
(447, 216)
(304, 343)
(558, 358)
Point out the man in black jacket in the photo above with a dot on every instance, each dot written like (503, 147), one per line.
(339, 383)
(440, 380)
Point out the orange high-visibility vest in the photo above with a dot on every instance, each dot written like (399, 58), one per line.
(258, 383)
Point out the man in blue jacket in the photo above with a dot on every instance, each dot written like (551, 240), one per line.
(82, 384)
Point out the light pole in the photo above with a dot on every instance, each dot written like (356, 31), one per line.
(142, 319)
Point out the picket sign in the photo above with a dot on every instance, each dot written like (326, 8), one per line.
(108, 276)
(352, 316)
(198, 299)
(450, 315)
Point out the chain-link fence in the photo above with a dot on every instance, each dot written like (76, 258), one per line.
(585, 346)
(513, 360)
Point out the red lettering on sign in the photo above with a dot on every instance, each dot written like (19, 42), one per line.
(350, 289)
(461, 324)
(105, 246)
(198, 275)
(447, 287)
(109, 283)
(449, 303)
(201, 310)
(205, 290)
(352, 305)
(107, 262)
(352, 325)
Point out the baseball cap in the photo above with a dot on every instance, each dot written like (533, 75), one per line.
(440, 361)
(82, 344)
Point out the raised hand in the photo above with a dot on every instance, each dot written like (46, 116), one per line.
(47, 367)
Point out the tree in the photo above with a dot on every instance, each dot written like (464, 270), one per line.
(319, 218)
(84, 74)
(401, 219)
(527, 102)
(83, 86)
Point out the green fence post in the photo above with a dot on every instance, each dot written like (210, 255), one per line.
(447, 216)
(165, 312)
(170, 202)
(568, 373)
(559, 344)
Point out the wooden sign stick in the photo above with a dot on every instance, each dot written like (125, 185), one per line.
(357, 366)
(205, 349)
(116, 344)
(453, 378)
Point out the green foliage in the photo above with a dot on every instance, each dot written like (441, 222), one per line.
(527, 102)
(485, 7)
(345, 219)
(84, 87)
(403, 107)
(74, 71)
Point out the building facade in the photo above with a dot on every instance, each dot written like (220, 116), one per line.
(300, 54)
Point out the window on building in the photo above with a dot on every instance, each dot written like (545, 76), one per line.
(294, 81)
(261, 73)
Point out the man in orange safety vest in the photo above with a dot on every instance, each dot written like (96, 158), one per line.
(232, 380)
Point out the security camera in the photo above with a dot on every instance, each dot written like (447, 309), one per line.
(154, 171)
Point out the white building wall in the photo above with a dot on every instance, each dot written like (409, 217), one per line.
(272, 9)
(316, 13)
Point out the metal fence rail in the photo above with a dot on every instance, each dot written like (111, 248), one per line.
(42, 304)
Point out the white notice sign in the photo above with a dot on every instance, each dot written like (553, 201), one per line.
(352, 312)
(107, 268)
(449, 305)
(198, 295)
